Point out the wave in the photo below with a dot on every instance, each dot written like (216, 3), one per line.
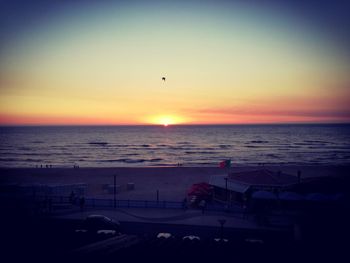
(194, 152)
(224, 146)
(316, 141)
(24, 148)
(156, 160)
(180, 148)
(254, 146)
(33, 160)
(271, 155)
(20, 160)
(36, 142)
(9, 159)
(125, 160)
(46, 154)
(258, 141)
(98, 143)
(186, 143)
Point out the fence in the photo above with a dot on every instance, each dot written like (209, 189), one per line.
(44, 189)
(65, 201)
(111, 203)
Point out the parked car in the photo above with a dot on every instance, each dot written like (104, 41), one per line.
(99, 224)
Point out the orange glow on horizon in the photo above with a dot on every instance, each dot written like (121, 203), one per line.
(204, 119)
(165, 120)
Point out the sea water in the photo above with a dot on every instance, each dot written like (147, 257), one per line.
(196, 145)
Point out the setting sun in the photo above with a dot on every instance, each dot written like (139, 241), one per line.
(165, 120)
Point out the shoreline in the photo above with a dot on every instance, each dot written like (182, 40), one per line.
(182, 165)
(331, 168)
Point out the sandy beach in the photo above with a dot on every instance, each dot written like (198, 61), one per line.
(171, 182)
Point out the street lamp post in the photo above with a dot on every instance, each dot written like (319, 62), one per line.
(222, 222)
(226, 189)
(115, 190)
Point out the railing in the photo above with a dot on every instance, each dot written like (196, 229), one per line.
(55, 201)
(109, 203)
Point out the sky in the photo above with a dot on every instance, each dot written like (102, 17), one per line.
(225, 62)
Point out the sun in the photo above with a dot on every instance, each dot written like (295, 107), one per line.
(165, 120)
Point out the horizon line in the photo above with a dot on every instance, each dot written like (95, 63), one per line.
(187, 124)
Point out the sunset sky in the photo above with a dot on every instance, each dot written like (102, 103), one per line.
(225, 62)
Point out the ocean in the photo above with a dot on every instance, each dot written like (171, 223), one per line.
(196, 145)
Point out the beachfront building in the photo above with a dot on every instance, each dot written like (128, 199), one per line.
(239, 187)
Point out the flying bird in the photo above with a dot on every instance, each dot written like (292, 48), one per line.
(163, 78)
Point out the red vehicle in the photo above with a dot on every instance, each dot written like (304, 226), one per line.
(199, 192)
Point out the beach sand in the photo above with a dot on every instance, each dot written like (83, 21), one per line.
(171, 182)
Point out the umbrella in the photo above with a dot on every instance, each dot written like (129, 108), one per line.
(220, 239)
(200, 189)
(264, 195)
(164, 235)
(191, 237)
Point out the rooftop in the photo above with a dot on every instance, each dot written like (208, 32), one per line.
(219, 181)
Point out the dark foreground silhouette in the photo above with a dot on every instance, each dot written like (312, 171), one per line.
(45, 239)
